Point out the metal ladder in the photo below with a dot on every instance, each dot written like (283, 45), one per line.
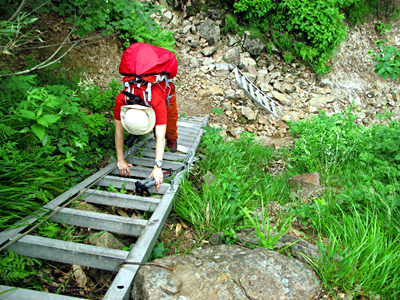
(147, 231)
(255, 94)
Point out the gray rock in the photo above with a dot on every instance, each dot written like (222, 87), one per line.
(210, 31)
(216, 90)
(205, 93)
(281, 98)
(174, 22)
(250, 76)
(208, 178)
(233, 39)
(208, 51)
(265, 87)
(278, 86)
(217, 238)
(227, 106)
(227, 272)
(194, 62)
(320, 99)
(235, 132)
(221, 67)
(249, 113)
(230, 93)
(275, 75)
(253, 45)
(106, 240)
(215, 14)
(167, 16)
(233, 55)
(186, 29)
(287, 87)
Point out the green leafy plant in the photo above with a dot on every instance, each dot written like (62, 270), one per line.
(14, 267)
(308, 29)
(158, 251)
(218, 111)
(388, 61)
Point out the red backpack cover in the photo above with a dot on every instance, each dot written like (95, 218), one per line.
(145, 61)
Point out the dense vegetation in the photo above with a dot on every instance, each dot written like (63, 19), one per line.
(309, 30)
(49, 141)
(356, 220)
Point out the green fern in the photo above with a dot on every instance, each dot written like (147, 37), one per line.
(15, 267)
(288, 56)
(49, 230)
(6, 131)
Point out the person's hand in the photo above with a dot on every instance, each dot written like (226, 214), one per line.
(158, 176)
(123, 168)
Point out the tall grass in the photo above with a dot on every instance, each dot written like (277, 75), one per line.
(362, 254)
(240, 186)
(361, 208)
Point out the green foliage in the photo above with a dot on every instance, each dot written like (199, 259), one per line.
(130, 19)
(310, 214)
(298, 25)
(47, 142)
(96, 99)
(361, 256)
(230, 25)
(388, 61)
(158, 251)
(238, 167)
(13, 34)
(357, 11)
(14, 268)
(360, 210)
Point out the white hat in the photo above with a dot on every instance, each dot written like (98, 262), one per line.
(138, 119)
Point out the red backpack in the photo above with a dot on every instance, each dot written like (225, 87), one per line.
(144, 64)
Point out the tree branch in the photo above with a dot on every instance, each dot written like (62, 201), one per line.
(70, 42)
(21, 6)
(49, 61)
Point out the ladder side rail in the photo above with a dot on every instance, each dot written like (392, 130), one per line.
(121, 286)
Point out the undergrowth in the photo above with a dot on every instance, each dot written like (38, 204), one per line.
(355, 222)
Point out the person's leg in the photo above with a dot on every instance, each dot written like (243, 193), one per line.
(172, 118)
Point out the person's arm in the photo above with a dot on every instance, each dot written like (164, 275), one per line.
(157, 172)
(123, 166)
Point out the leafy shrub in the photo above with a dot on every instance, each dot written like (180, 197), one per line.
(314, 24)
(357, 11)
(47, 142)
(388, 61)
(96, 99)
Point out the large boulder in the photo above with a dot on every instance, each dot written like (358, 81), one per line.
(227, 272)
(210, 31)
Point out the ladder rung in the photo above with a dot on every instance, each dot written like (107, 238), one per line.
(167, 155)
(100, 221)
(189, 125)
(69, 252)
(148, 162)
(123, 200)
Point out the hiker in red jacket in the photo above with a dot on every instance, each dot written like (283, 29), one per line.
(143, 105)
